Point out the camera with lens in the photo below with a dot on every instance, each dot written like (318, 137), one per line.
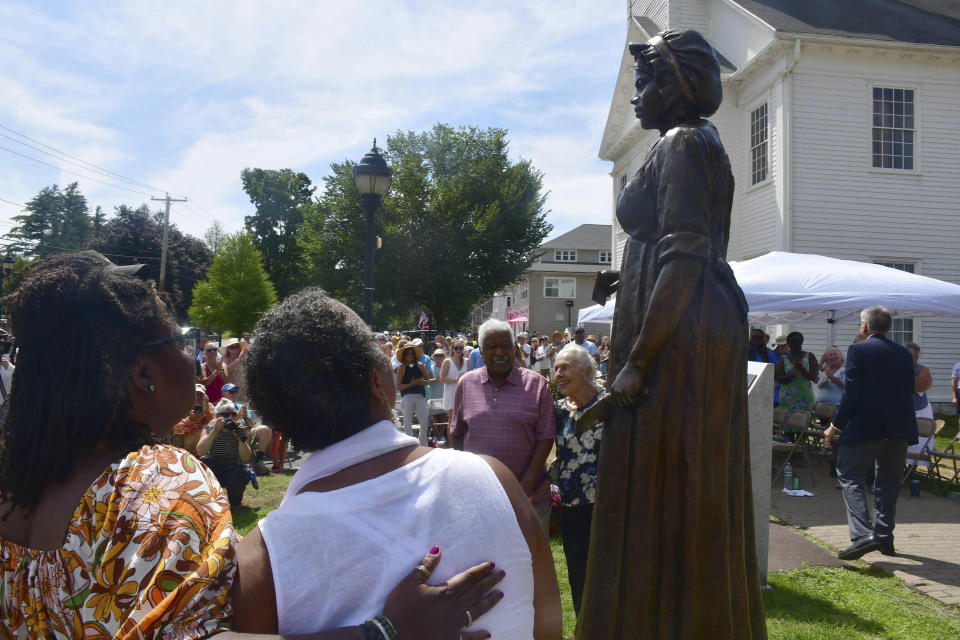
(230, 425)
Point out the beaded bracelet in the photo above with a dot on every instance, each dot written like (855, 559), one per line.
(378, 628)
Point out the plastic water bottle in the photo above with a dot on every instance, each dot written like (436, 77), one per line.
(788, 477)
(253, 479)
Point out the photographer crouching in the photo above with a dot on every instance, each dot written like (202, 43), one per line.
(223, 447)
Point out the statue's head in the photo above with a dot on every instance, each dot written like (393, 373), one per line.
(677, 78)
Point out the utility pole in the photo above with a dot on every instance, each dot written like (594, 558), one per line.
(166, 234)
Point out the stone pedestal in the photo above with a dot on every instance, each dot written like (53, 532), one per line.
(760, 412)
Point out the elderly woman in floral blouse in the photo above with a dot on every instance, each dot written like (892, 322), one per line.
(575, 469)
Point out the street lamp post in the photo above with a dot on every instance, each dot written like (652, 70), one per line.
(372, 177)
(569, 305)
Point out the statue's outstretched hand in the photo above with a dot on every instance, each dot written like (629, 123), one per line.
(627, 389)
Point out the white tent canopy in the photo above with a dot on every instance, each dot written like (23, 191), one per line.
(599, 313)
(800, 288)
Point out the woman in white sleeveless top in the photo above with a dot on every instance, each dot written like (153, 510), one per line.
(358, 511)
(451, 370)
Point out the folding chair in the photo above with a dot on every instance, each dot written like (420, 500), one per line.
(800, 423)
(937, 456)
(824, 413)
(779, 418)
(926, 430)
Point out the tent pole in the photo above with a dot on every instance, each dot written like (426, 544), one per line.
(832, 329)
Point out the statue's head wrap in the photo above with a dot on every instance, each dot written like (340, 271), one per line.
(685, 68)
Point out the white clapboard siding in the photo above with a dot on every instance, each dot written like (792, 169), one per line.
(656, 10)
(839, 205)
(844, 208)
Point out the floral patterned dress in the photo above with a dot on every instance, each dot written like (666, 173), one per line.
(149, 553)
(796, 395)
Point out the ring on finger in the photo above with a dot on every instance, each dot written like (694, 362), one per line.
(423, 571)
(469, 618)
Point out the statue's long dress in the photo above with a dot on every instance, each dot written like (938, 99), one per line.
(672, 551)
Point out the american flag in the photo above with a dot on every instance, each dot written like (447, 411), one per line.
(423, 321)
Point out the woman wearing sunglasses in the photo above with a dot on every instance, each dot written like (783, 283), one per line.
(212, 376)
(451, 370)
(224, 448)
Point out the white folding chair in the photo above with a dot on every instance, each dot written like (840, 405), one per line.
(926, 432)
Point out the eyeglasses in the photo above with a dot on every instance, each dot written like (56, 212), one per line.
(178, 339)
(458, 348)
(209, 349)
(381, 340)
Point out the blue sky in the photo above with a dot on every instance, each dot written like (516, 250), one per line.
(182, 96)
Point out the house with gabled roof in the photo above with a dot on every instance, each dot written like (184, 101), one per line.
(559, 282)
(840, 121)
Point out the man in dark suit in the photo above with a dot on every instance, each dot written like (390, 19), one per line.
(875, 423)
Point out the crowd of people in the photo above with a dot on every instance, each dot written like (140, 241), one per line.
(868, 402)
(151, 549)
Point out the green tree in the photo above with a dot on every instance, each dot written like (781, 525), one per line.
(52, 221)
(461, 220)
(134, 236)
(236, 291)
(214, 236)
(281, 198)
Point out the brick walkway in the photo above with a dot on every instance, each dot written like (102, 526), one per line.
(927, 533)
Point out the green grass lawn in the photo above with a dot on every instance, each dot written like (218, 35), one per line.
(814, 603)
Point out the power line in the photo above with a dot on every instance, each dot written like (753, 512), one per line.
(166, 235)
(109, 184)
(13, 203)
(89, 166)
(67, 155)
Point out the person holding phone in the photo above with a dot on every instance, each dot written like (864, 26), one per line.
(186, 433)
(212, 376)
(412, 380)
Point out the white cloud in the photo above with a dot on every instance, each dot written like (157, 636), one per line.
(185, 96)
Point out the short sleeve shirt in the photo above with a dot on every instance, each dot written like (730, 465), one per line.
(956, 372)
(505, 422)
(149, 553)
(590, 347)
(476, 360)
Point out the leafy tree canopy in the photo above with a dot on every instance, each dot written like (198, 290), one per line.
(281, 198)
(236, 291)
(461, 221)
(134, 236)
(53, 220)
(214, 236)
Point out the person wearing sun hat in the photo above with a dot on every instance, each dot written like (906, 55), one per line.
(186, 433)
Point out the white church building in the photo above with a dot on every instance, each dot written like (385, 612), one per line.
(841, 122)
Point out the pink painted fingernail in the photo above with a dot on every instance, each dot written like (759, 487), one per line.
(502, 573)
(493, 564)
(500, 595)
(435, 550)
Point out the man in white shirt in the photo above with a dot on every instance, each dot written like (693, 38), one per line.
(524, 347)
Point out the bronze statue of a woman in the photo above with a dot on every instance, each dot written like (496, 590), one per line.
(672, 545)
